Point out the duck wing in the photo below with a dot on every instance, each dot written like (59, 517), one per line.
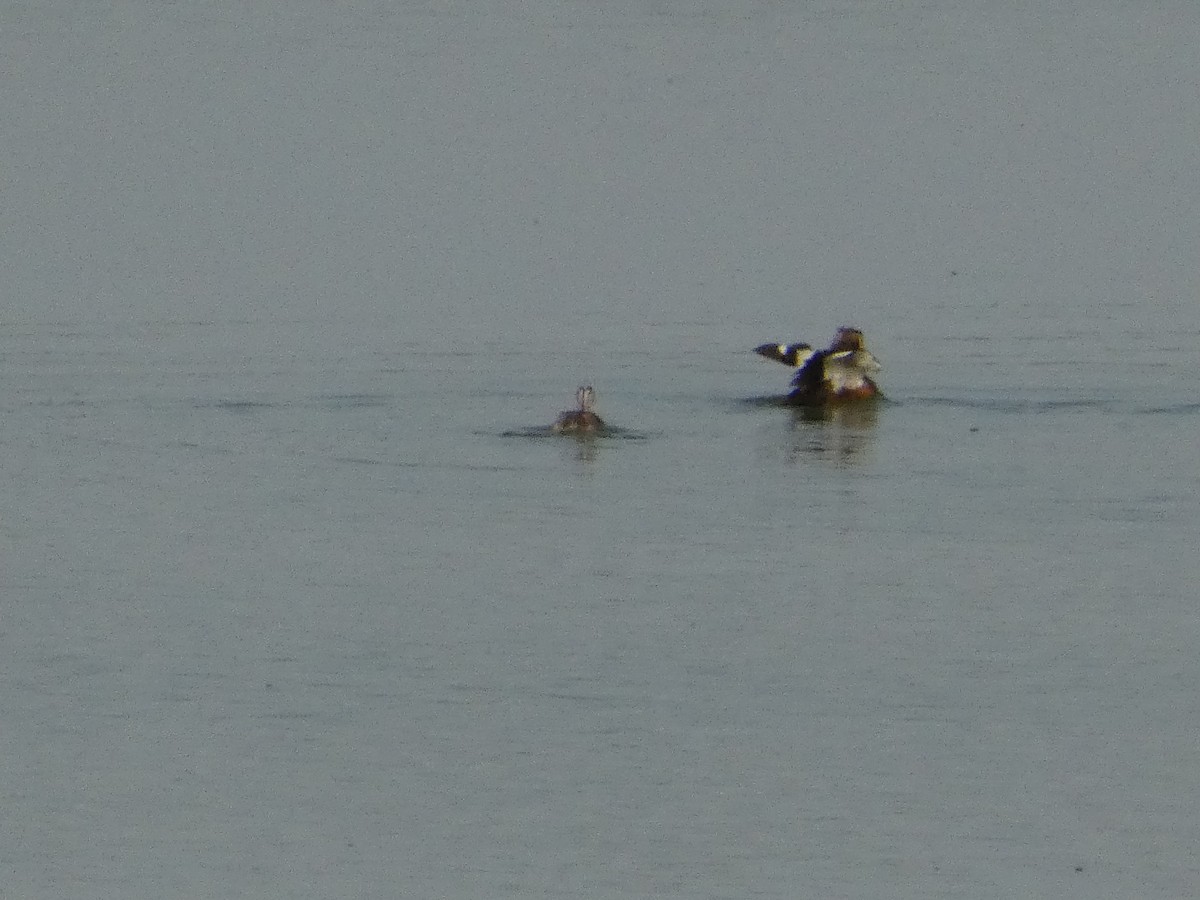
(812, 373)
(794, 354)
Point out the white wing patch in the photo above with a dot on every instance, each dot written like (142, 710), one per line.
(848, 370)
(803, 354)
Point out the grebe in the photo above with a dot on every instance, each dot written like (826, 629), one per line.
(582, 419)
(838, 374)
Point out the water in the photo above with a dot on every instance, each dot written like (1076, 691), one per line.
(298, 601)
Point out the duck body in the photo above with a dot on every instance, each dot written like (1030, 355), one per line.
(841, 373)
(582, 420)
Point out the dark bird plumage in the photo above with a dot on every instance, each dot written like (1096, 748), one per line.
(841, 372)
(583, 418)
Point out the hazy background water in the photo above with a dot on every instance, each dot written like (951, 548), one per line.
(288, 611)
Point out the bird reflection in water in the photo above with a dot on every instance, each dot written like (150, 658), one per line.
(838, 433)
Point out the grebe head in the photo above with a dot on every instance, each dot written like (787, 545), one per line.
(849, 348)
(586, 398)
(848, 339)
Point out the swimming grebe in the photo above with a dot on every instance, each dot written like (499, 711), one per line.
(838, 374)
(582, 419)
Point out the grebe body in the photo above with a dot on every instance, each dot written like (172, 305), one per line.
(582, 419)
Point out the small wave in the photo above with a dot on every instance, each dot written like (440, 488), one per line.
(354, 401)
(242, 406)
(766, 400)
(545, 431)
(1174, 409)
(1006, 406)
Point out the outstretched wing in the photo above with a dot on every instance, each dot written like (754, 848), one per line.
(796, 354)
(812, 373)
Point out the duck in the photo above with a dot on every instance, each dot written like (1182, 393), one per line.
(840, 373)
(583, 419)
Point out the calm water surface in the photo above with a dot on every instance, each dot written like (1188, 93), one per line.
(322, 624)
(295, 601)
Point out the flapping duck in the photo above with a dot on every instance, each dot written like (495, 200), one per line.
(840, 373)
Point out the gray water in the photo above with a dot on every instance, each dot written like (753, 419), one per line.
(297, 599)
